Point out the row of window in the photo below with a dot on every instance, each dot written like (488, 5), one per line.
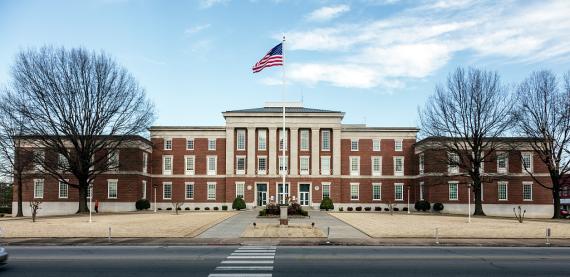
(376, 165)
(398, 145)
(63, 193)
(189, 190)
(63, 163)
(189, 144)
(502, 163)
(377, 191)
(502, 191)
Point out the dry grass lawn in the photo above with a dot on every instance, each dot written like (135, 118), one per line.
(275, 231)
(420, 226)
(186, 224)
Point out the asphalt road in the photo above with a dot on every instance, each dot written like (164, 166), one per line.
(285, 261)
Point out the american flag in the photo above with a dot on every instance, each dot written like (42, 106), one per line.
(273, 58)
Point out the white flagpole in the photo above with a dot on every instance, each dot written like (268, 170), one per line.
(283, 173)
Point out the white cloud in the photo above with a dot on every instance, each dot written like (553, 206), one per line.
(204, 4)
(196, 29)
(328, 13)
(340, 75)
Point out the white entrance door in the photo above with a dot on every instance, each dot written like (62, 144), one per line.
(304, 194)
(282, 193)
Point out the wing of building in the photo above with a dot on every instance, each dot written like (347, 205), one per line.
(354, 165)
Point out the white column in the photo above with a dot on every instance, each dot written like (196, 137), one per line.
(251, 151)
(336, 151)
(294, 152)
(315, 147)
(273, 146)
(230, 151)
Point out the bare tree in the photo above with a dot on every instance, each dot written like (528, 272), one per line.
(543, 113)
(468, 115)
(80, 107)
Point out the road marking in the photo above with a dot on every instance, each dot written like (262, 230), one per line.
(248, 262)
(240, 275)
(244, 268)
(251, 257)
(247, 259)
(253, 254)
(258, 247)
(254, 251)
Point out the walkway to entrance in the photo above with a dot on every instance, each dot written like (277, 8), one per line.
(233, 227)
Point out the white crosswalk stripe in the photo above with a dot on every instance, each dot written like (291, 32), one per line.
(244, 268)
(248, 261)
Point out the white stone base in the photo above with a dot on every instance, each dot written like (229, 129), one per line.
(63, 208)
(192, 206)
(506, 210)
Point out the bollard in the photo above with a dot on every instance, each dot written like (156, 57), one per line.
(109, 233)
(254, 225)
(436, 235)
(313, 225)
(548, 234)
(328, 231)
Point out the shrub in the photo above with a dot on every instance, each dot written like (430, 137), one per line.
(422, 205)
(386, 209)
(378, 209)
(437, 207)
(142, 204)
(405, 209)
(272, 209)
(187, 208)
(238, 204)
(216, 208)
(341, 209)
(160, 209)
(349, 209)
(224, 208)
(294, 209)
(304, 213)
(169, 209)
(197, 208)
(396, 209)
(207, 208)
(262, 213)
(368, 209)
(327, 204)
(179, 208)
(358, 209)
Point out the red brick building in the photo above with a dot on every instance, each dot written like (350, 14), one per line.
(355, 165)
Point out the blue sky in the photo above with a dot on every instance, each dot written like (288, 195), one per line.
(376, 60)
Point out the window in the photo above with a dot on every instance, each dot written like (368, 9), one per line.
(421, 190)
(212, 164)
(376, 166)
(526, 162)
(189, 144)
(354, 145)
(325, 165)
(167, 165)
(354, 166)
(502, 190)
(283, 163)
(262, 140)
(240, 164)
(113, 160)
(189, 190)
(453, 191)
(112, 189)
(326, 189)
(167, 144)
(282, 193)
(189, 165)
(166, 190)
(399, 192)
(240, 139)
(143, 189)
(145, 162)
(452, 163)
(304, 134)
(211, 191)
(354, 191)
(38, 188)
(304, 165)
(326, 140)
(398, 145)
(62, 162)
(376, 191)
(376, 145)
(502, 162)
(212, 144)
(63, 190)
(398, 166)
(240, 189)
(281, 139)
(421, 163)
(39, 157)
(527, 191)
(261, 165)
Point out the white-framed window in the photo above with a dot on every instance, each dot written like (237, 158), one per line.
(189, 165)
(211, 144)
(376, 166)
(421, 190)
(526, 162)
(282, 192)
(166, 190)
(189, 143)
(145, 162)
(398, 166)
(240, 165)
(112, 189)
(326, 140)
(167, 165)
(212, 165)
(39, 158)
(503, 190)
(189, 190)
(283, 163)
(398, 192)
(62, 162)
(262, 140)
(113, 160)
(240, 190)
(421, 163)
(376, 191)
(211, 191)
(167, 144)
(261, 165)
(453, 190)
(354, 145)
(325, 165)
(304, 165)
(527, 191)
(283, 139)
(304, 134)
(502, 162)
(452, 163)
(354, 166)
(398, 145)
(240, 140)
(63, 190)
(354, 191)
(375, 144)
(326, 190)
(143, 189)
(38, 188)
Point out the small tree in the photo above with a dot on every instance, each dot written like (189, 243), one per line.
(519, 215)
(327, 204)
(35, 206)
(238, 204)
(177, 206)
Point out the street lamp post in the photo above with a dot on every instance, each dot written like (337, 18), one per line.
(409, 188)
(469, 203)
(155, 186)
(90, 201)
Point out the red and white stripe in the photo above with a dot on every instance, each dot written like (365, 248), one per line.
(268, 61)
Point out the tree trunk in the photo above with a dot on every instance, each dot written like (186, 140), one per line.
(83, 208)
(478, 202)
(20, 212)
(555, 177)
